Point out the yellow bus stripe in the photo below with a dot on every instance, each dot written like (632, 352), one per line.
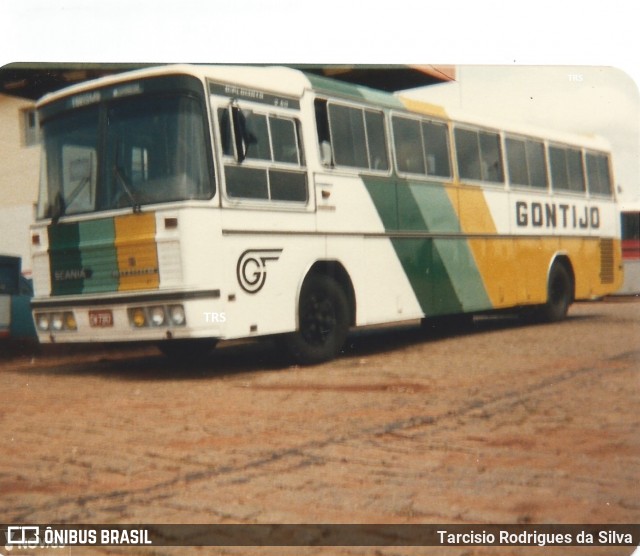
(136, 250)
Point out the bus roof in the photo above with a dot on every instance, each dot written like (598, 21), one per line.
(293, 82)
(277, 79)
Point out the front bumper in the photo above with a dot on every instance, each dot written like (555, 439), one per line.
(128, 317)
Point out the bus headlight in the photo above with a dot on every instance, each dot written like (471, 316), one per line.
(42, 320)
(70, 321)
(56, 322)
(176, 314)
(138, 317)
(157, 316)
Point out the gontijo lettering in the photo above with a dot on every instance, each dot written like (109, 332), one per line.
(557, 215)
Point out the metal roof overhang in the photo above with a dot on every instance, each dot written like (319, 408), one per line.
(33, 80)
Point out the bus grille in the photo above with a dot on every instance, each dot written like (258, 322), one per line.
(606, 261)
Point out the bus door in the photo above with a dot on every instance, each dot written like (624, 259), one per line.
(267, 214)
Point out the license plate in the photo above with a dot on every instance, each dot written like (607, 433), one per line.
(100, 319)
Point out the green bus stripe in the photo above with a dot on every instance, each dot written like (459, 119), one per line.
(427, 275)
(464, 274)
(383, 194)
(83, 257)
(98, 253)
(65, 259)
(442, 272)
(434, 205)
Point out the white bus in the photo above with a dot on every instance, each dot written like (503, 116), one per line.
(184, 205)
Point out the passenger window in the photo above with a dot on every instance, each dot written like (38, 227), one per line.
(436, 146)
(376, 140)
(246, 183)
(559, 174)
(526, 163)
(576, 172)
(598, 175)
(517, 162)
(351, 137)
(258, 146)
(468, 152)
(285, 144)
(537, 164)
(348, 136)
(491, 157)
(421, 147)
(408, 143)
(566, 169)
(479, 155)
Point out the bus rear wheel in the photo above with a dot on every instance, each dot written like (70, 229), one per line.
(323, 317)
(559, 294)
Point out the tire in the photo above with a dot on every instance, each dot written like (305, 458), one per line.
(559, 294)
(323, 322)
(186, 351)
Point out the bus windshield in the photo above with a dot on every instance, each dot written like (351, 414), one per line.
(128, 152)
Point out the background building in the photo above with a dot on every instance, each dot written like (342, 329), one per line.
(19, 171)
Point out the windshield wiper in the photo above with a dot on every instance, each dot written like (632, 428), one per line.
(57, 208)
(127, 189)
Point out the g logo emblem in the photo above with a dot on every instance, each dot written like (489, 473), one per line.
(252, 268)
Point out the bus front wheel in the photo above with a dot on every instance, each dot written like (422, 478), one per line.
(323, 318)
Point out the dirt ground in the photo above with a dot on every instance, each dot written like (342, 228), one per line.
(498, 423)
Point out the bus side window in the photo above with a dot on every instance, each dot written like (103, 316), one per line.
(324, 135)
(349, 136)
(479, 155)
(491, 157)
(598, 175)
(566, 169)
(376, 140)
(436, 146)
(283, 137)
(358, 137)
(468, 154)
(257, 137)
(408, 143)
(272, 168)
(526, 162)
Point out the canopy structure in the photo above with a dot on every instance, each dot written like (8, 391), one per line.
(33, 80)
(390, 78)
